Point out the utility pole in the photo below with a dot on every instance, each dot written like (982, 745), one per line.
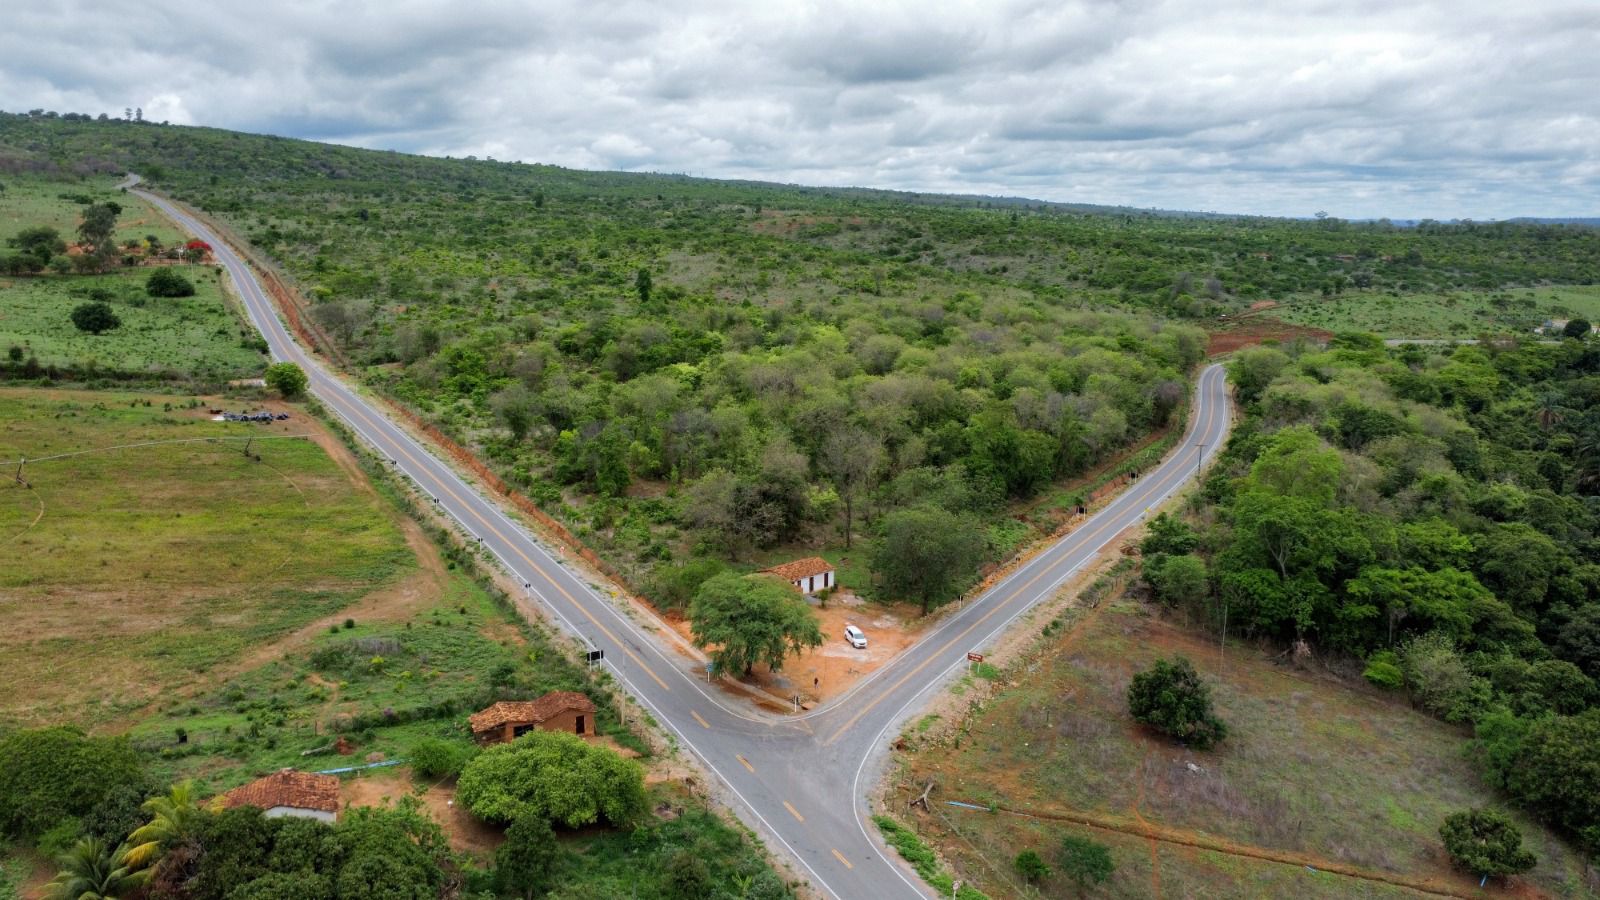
(1199, 459)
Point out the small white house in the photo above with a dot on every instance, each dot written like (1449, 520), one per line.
(808, 575)
(286, 792)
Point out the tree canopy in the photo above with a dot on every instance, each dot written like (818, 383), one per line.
(743, 621)
(554, 776)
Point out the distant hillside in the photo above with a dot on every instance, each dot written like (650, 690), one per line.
(1589, 222)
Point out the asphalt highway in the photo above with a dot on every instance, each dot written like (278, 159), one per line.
(801, 782)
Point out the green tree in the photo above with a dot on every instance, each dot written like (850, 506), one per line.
(1485, 842)
(1252, 370)
(49, 774)
(95, 317)
(1031, 866)
(554, 776)
(1085, 861)
(928, 555)
(525, 865)
(165, 282)
(1168, 534)
(39, 242)
(287, 379)
(642, 284)
(851, 457)
(436, 758)
(1171, 698)
(746, 620)
(1576, 328)
(516, 408)
(1557, 773)
(1180, 580)
(96, 230)
(94, 870)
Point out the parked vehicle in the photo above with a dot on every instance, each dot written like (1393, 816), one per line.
(856, 637)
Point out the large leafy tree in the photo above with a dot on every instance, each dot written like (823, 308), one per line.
(743, 621)
(928, 555)
(1557, 772)
(555, 776)
(49, 774)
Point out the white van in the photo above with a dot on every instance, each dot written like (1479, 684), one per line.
(856, 637)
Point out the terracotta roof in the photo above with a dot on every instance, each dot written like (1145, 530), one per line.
(800, 568)
(286, 787)
(529, 712)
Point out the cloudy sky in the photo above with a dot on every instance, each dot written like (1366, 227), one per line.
(1466, 108)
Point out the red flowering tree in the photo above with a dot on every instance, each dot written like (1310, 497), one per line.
(196, 250)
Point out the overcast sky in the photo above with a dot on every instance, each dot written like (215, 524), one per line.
(1467, 108)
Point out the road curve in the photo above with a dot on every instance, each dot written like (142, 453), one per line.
(800, 782)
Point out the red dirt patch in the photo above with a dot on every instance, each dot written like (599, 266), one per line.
(1257, 329)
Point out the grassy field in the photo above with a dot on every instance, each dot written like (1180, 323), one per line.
(1459, 314)
(382, 683)
(197, 336)
(162, 336)
(130, 572)
(1314, 773)
(30, 201)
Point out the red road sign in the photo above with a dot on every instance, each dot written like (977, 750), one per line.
(974, 657)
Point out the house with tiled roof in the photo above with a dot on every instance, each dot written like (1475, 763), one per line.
(508, 720)
(286, 792)
(808, 575)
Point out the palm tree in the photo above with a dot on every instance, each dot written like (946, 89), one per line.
(93, 871)
(173, 818)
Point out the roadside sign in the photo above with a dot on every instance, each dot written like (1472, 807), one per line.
(974, 657)
(595, 656)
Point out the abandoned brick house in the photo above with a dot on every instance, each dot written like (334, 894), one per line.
(508, 720)
(286, 792)
(808, 575)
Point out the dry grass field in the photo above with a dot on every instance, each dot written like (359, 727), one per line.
(1322, 789)
(133, 573)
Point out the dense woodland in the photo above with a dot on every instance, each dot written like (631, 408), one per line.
(689, 372)
(1432, 513)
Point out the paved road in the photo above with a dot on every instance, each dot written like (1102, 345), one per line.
(801, 782)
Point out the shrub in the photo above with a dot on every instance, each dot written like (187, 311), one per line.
(95, 317)
(555, 776)
(287, 379)
(1383, 670)
(168, 283)
(432, 758)
(1485, 842)
(1171, 698)
(1085, 861)
(1031, 866)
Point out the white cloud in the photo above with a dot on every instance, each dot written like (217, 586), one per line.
(1360, 107)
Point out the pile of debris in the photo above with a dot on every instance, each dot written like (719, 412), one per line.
(222, 416)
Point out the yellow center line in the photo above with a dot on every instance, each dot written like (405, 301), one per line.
(745, 762)
(840, 857)
(1177, 471)
(793, 812)
(703, 722)
(445, 488)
